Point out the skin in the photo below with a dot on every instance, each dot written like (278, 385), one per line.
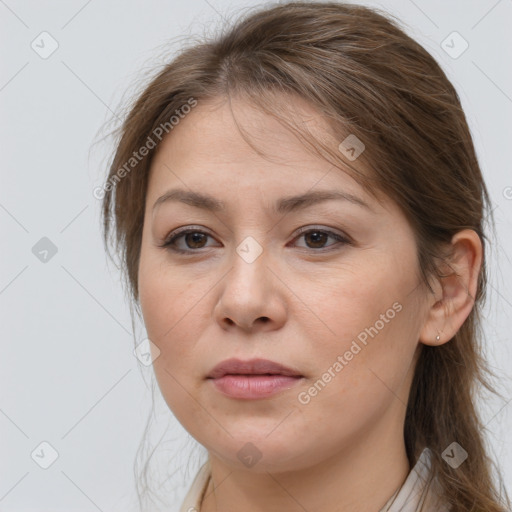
(316, 295)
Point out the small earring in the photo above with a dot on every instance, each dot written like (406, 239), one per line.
(438, 337)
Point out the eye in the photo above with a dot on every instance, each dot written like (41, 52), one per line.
(193, 239)
(316, 238)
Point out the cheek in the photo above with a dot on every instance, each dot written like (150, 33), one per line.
(361, 299)
(356, 382)
(162, 296)
(175, 308)
(167, 313)
(369, 330)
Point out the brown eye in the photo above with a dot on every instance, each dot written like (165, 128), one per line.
(192, 240)
(195, 239)
(316, 238)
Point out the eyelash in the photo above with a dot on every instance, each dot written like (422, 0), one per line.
(170, 241)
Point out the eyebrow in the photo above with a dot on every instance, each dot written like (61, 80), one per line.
(283, 205)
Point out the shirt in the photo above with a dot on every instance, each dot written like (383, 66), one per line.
(419, 492)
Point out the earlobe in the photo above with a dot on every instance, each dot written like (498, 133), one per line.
(454, 292)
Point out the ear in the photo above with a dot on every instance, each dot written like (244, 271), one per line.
(454, 294)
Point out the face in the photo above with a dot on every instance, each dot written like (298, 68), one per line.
(327, 288)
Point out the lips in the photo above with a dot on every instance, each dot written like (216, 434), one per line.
(251, 367)
(255, 379)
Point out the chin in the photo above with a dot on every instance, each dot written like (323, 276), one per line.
(259, 452)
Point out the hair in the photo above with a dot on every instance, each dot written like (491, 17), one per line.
(366, 77)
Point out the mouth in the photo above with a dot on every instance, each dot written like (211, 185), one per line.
(253, 379)
(251, 368)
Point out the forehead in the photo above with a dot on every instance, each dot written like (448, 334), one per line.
(221, 129)
(222, 144)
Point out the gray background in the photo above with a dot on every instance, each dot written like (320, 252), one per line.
(68, 374)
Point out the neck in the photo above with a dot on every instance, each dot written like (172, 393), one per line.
(362, 477)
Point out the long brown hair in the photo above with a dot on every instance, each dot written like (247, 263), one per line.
(368, 78)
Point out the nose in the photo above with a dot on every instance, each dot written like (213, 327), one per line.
(251, 297)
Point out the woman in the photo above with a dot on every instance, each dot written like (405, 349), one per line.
(299, 209)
